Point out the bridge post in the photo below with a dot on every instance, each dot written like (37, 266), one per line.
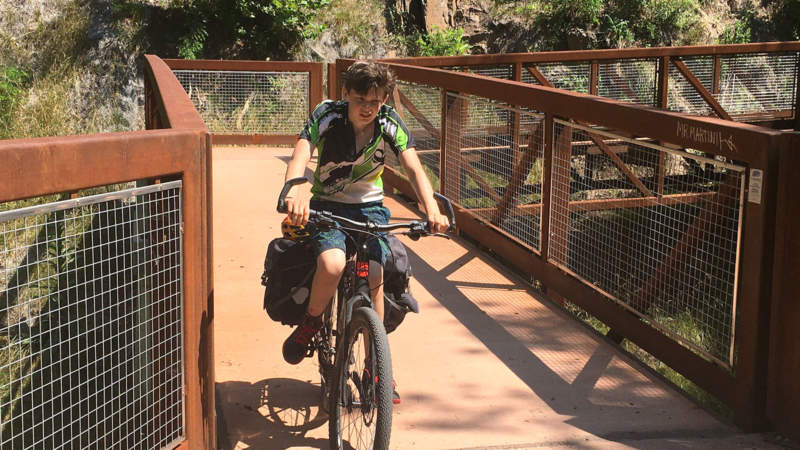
(662, 80)
(547, 170)
(450, 163)
(314, 86)
(333, 80)
(783, 393)
(515, 126)
(754, 295)
(797, 96)
(662, 99)
(716, 75)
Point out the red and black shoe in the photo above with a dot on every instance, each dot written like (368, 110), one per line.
(296, 346)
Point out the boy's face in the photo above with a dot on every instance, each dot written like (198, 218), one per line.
(364, 106)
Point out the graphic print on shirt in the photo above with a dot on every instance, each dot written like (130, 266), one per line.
(344, 173)
(335, 176)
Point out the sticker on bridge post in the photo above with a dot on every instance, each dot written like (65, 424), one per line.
(756, 181)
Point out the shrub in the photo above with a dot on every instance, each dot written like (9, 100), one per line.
(447, 42)
(660, 22)
(248, 29)
(735, 33)
(13, 82)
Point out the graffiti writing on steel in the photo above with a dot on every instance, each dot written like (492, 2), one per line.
(701, 135)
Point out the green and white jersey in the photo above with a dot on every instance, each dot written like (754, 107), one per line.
(346, 174)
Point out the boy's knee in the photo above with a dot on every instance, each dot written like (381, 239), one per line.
(331, 262)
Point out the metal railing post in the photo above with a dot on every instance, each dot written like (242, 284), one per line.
(662, 82)
(314, 86)
(333, 81)
(547, 171)
(451, 159)
(515, 126)
(754, 297)
(797, 94)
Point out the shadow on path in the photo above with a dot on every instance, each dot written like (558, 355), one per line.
(638, 418)
(273, 413)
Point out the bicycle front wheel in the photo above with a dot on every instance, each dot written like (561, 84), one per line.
(361, 404)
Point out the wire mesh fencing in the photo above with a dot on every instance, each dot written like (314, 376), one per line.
(572, 76)
(682, 96)
(501, 71)
(421, 109)
(629, 80)
(654, 228)
(743, 84)
(245, 102)
(91, 308)
(494, 158)
(752, 83)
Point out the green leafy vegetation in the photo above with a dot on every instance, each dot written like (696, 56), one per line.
(567, 24)
(735, 33)
(448, 42)
(13, 81)
(240, 29)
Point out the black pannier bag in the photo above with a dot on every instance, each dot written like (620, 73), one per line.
(397, 301)
(288, 270)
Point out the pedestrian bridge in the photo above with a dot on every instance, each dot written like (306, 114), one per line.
(645, 191)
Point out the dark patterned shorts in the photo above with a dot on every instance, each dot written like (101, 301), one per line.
(362, 212)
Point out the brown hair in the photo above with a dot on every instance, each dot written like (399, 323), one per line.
(363, 76)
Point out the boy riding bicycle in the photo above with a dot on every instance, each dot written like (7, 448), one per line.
(347, 182)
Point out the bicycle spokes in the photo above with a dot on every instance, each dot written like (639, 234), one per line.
(362, 410)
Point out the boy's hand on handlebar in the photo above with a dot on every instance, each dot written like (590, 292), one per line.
(298, 207)
(437, 222)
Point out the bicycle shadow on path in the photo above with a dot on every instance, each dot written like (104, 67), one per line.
(275, 413)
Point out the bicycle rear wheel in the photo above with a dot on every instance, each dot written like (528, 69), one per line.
(361, 401)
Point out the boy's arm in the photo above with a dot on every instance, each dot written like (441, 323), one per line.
(299, 197)
(422, 186)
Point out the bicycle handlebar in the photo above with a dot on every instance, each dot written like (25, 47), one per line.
(415, 226)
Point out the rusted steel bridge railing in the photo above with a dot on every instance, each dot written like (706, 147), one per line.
(105, 284)
(644, 218)
(742, 82)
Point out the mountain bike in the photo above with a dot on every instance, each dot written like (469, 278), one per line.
(355, 363)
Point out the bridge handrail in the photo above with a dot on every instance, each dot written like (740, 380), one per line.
(176, 146)
(599, 54)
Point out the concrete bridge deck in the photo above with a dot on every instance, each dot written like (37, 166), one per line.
(487, 363)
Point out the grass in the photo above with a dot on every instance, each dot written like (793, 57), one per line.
(54, 56)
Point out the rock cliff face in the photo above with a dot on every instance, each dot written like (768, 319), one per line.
(115, 73)
(106, 90)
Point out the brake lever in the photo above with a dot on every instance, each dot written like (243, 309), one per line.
(323, 221)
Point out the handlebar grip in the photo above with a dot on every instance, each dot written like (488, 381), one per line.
(282, 208)
(448, 210)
